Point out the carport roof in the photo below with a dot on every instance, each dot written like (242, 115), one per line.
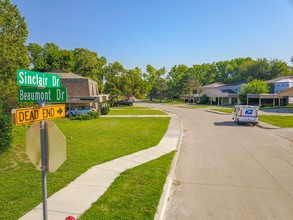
(265, 96)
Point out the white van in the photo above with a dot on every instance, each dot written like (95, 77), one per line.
(245, 114)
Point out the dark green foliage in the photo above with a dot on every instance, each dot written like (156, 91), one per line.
(93, 114)
(105, 110)
(13, 52)
(5, 131)
(253, 87)
(204, 99)
(90, 115)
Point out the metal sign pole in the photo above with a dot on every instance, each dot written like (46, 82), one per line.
(44, 164)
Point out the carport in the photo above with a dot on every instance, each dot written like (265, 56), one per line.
(266, 100)
(221, 97)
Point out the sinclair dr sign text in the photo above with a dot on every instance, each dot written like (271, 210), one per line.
(37, 79)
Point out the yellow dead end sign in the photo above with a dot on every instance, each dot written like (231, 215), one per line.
(56, 146)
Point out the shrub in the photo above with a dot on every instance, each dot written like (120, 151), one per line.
(94, 114)
(90, 115)
(5, 132)
(204, 99)
(105, 110)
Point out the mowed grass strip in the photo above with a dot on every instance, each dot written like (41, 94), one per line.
(277, 120)
(135, 194)
(88, 143)
(193, 106)
(224, 110)
(134, 111)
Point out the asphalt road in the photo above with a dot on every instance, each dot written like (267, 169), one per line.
(225, 171)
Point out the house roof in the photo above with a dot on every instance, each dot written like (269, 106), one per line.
(280, 78)
(236, 83)
(66, 75)
(214, 93)
(230, 91)
(213, 85)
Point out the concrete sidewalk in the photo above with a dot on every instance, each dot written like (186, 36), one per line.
(88, 187)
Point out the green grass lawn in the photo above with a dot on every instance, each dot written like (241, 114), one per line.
(88, 143)
(135, 194)
(225, 110)
(134, 111)
(280, 121)
(193, 106)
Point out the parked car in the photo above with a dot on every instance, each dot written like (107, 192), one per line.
(79, 111)
(123, 102)
(245, 114)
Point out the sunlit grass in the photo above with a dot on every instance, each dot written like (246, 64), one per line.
(131, 110)
(88, 143)
(277, 120)
(225, 110)
(135, 194)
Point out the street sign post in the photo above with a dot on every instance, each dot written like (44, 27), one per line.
(46, 145)
(37, 79)
(47, 94)
(29, 115)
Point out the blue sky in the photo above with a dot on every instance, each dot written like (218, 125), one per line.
(164, 33)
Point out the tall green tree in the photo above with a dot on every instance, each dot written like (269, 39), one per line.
(113, 73)
(279, 68)
(152, 76)
(52, 56)
(132, 83)
(37, 59)
(189, 83)
(174, 77)
(88, 64)
(161, 88)
(13, 52)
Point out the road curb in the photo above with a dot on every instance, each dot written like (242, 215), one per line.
(161, 209)
(216, 112)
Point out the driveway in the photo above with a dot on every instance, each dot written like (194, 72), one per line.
(225, 171)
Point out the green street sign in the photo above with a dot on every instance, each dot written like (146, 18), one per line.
(47, 94)
(37, 79)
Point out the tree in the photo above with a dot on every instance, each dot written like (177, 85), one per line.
(279, 68)
(132, 83)
(254, 87)
(13, 52)
(5, 130)
(113, 73)
(161, 88)
(175, 80)
(37, 60)
(88, 64)
(152, 76)
(189, 83)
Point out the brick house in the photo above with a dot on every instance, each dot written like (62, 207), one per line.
(81, 91)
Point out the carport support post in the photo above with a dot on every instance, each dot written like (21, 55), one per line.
(259, 100)
(44, 163)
